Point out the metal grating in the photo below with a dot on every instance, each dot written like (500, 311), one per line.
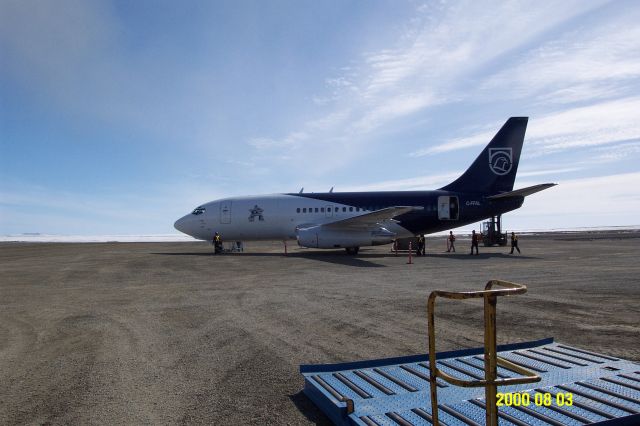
(395, 391)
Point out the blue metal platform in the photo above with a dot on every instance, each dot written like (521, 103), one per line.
(395, 391)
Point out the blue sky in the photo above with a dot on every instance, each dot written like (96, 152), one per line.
(119, 117)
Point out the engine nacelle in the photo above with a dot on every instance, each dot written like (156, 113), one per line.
(319, 237)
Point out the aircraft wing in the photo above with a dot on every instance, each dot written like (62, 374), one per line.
(523, 192)
(372, 219)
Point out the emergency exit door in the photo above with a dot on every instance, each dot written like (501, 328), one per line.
(225, 212)
(448, 208)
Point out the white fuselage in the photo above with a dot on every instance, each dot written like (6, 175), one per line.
(266, 217)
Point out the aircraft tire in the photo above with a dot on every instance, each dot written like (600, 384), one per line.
(352, 250)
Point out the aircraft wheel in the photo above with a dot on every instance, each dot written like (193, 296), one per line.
(352, 250)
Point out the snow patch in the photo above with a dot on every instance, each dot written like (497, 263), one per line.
(52, 238)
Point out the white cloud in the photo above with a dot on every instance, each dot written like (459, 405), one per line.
(476, 139)
(599, 124)
(442, 47)
(456, 39)
(546, 172)
(429, 182)
(393, 108)
(616, 153)
(290, 140)
(329, 121)
(571, 93)
(594, 125)
(590, 62)
(420, 183)
(602, 200)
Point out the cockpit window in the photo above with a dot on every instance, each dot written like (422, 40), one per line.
(198, 210)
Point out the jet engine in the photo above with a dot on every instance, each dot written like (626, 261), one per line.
(321, 237)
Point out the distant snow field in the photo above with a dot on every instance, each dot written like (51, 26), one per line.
(160, 238)
(50, 238)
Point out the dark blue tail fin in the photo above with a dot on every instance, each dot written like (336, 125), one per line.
(494, 170)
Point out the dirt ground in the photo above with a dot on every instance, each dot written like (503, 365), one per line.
(166, 333)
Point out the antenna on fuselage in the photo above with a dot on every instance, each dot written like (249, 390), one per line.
(331, 190)
(301, 189)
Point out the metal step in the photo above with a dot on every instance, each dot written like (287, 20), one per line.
(395, 391)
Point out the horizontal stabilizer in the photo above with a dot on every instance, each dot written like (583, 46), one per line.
(374, 218)
(522, 192)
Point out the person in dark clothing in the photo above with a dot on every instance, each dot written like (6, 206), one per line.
(217, 243)
(474, 241)
(420, 251)
(514, 243)
(452, 239)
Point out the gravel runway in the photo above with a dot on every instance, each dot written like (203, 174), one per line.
(166, 333)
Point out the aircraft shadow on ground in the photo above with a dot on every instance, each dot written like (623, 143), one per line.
(309, 409)
(339, 258)
(361, 260)
(467, 256)
(200, 253)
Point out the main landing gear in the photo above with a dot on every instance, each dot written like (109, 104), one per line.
(352, 250)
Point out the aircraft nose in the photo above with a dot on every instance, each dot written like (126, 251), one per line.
(181, 225)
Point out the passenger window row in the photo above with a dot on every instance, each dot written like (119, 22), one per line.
(334, 209)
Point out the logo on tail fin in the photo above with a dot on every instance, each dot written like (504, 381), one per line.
(500, 160)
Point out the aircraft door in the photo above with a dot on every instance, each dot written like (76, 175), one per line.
(328, 211)
(454, 208)
(443, 208)
(225, 212)
(448, 208)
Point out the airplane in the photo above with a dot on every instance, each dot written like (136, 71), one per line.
(351, 220)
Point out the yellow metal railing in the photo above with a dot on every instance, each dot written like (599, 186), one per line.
(491, 360)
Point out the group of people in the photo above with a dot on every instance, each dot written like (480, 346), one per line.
(420, 251)
(450, 244)
(475, 240)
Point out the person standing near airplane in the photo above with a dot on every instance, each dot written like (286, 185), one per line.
(474, 241)
(514, 242)
(420, 245)
(452, 239)
(217, 243)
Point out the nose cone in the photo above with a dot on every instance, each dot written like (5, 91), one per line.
(182, 225)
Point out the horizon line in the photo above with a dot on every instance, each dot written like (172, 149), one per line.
(36, 237)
